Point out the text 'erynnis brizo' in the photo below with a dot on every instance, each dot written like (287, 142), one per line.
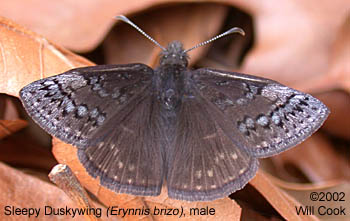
(201, 131)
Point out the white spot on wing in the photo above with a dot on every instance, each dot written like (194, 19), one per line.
(210, 136)
(216, 159)
(264, 144)
(198, 174)
(49, 82)
(234, 156)
(210, 173)
(100, 145)
(276, 119)
(241, 101)
(132, 167)
(78, 133)
(115, 152)
(69, 106)
(82, 110)
(127, 129)
(263, 121)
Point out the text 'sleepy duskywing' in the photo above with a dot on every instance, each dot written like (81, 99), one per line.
(199, 131)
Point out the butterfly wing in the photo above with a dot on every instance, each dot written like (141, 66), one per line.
(266, 117)
(127, 151)
(110, 114)
(204, 163)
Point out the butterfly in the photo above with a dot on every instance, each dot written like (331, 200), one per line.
(199, 132)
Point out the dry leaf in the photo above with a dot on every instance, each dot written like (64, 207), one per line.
(338, 72)
(21, 151)
(304, 193)
(189, 25)
(8, 127)
(315, 159)
(26, 57)
(287, 48)
(338, 101)
(19, 190)
(293, 42)
(80, 26)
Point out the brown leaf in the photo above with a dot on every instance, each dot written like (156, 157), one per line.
(21, 148)
(8, 127)
(293, 42)
(21, 151)
(80, 26)
(23, 191)
(338, 101)
(338, 72)
(304, 194)
(281, 201)
(278, 50)
(8, 108)
(19, 190)
(315, 159)
(188, 24)
(26, 56)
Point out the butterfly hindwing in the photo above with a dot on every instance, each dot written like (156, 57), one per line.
(127, 151)
(267, 117)
(204, 163)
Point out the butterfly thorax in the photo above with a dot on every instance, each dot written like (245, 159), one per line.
(170, 76)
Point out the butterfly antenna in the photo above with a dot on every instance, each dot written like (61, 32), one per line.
(231, 31)
(126, 20)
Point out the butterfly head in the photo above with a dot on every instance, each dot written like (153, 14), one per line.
(174, 55)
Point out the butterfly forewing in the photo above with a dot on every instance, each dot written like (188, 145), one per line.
(100, 109)
(72, 105)
(266, 117)
(204, 164)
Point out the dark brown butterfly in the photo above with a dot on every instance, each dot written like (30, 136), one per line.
(201, 131)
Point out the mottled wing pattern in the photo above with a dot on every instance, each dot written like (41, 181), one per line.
(266, 117)
(204, 163)
(72, 105)
(100, 109)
